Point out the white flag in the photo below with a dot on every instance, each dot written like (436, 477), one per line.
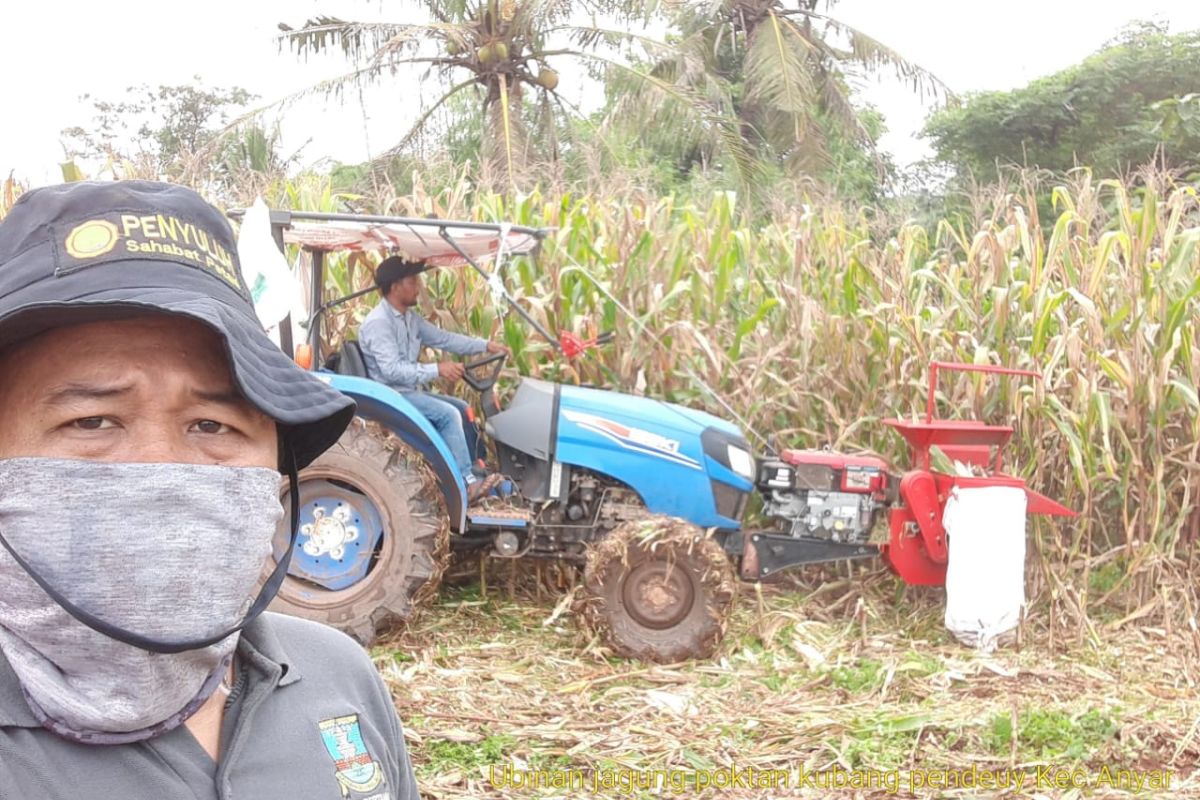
(268, 276)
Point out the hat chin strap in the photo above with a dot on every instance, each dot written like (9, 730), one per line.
(265, 596)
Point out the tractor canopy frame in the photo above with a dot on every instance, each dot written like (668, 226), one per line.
(438, 242)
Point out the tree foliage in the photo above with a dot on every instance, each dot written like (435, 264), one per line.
(780, 72)
(164, 122)
(744, 88)
(497, 53)
(182, 133)
(1129, 103)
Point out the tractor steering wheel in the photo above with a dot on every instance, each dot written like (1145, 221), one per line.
(485, 384)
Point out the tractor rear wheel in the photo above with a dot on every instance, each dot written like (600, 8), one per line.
(657, 588)
(374, 535)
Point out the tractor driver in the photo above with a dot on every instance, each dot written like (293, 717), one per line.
(146, 421)
(391, 338)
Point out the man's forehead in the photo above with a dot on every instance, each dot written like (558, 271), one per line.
(93, 350)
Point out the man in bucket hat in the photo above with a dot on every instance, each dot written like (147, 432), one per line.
(145, 419)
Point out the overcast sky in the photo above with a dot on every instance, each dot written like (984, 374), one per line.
(56, 51)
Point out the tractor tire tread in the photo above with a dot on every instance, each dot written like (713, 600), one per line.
(654, 536)
(409, 483)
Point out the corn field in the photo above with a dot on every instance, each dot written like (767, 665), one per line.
(814, 328)
(818, 326)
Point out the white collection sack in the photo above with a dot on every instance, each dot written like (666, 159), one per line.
(985, 576)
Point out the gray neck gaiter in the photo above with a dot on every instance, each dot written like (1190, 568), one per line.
(171, 551)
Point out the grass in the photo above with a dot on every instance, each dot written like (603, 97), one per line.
(451, 755)
(796, 685)
(1105, 579)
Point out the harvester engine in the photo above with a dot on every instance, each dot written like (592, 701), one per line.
(825, 495)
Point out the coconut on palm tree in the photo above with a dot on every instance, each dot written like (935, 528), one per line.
(497, 51)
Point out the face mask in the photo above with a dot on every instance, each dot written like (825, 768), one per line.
(163, 558)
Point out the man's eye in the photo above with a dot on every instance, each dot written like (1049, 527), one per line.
(93, 423)
(211, 426)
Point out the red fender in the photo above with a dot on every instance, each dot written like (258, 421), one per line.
(919, 491)
(905, 552)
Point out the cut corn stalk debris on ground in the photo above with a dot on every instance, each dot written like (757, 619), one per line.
(892, 696)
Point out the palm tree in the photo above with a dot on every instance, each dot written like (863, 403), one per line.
(782, 68)
(496, 53)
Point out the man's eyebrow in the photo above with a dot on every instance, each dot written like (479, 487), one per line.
(74, 392)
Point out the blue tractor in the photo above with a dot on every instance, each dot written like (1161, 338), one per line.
(645, 495)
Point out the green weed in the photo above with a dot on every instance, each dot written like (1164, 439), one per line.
(444, 755)
(864, 676)
(1052, 734)
(1103, 580)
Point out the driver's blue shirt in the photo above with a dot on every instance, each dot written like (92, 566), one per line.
(391, 342)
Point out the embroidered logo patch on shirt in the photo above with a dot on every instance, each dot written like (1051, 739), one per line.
(356, 771)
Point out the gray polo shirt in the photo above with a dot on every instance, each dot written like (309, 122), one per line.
(391, 342)
(309, 719)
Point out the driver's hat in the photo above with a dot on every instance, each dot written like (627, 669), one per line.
(90, 251)
(394, 268)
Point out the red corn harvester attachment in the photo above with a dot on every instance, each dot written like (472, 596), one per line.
(826, 504)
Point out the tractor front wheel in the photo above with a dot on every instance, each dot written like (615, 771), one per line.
(658, 589)
(374, 535)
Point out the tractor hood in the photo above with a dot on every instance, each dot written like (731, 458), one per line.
(682, 462)
(670, 422)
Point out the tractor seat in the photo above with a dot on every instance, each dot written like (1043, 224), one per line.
(350, 361)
